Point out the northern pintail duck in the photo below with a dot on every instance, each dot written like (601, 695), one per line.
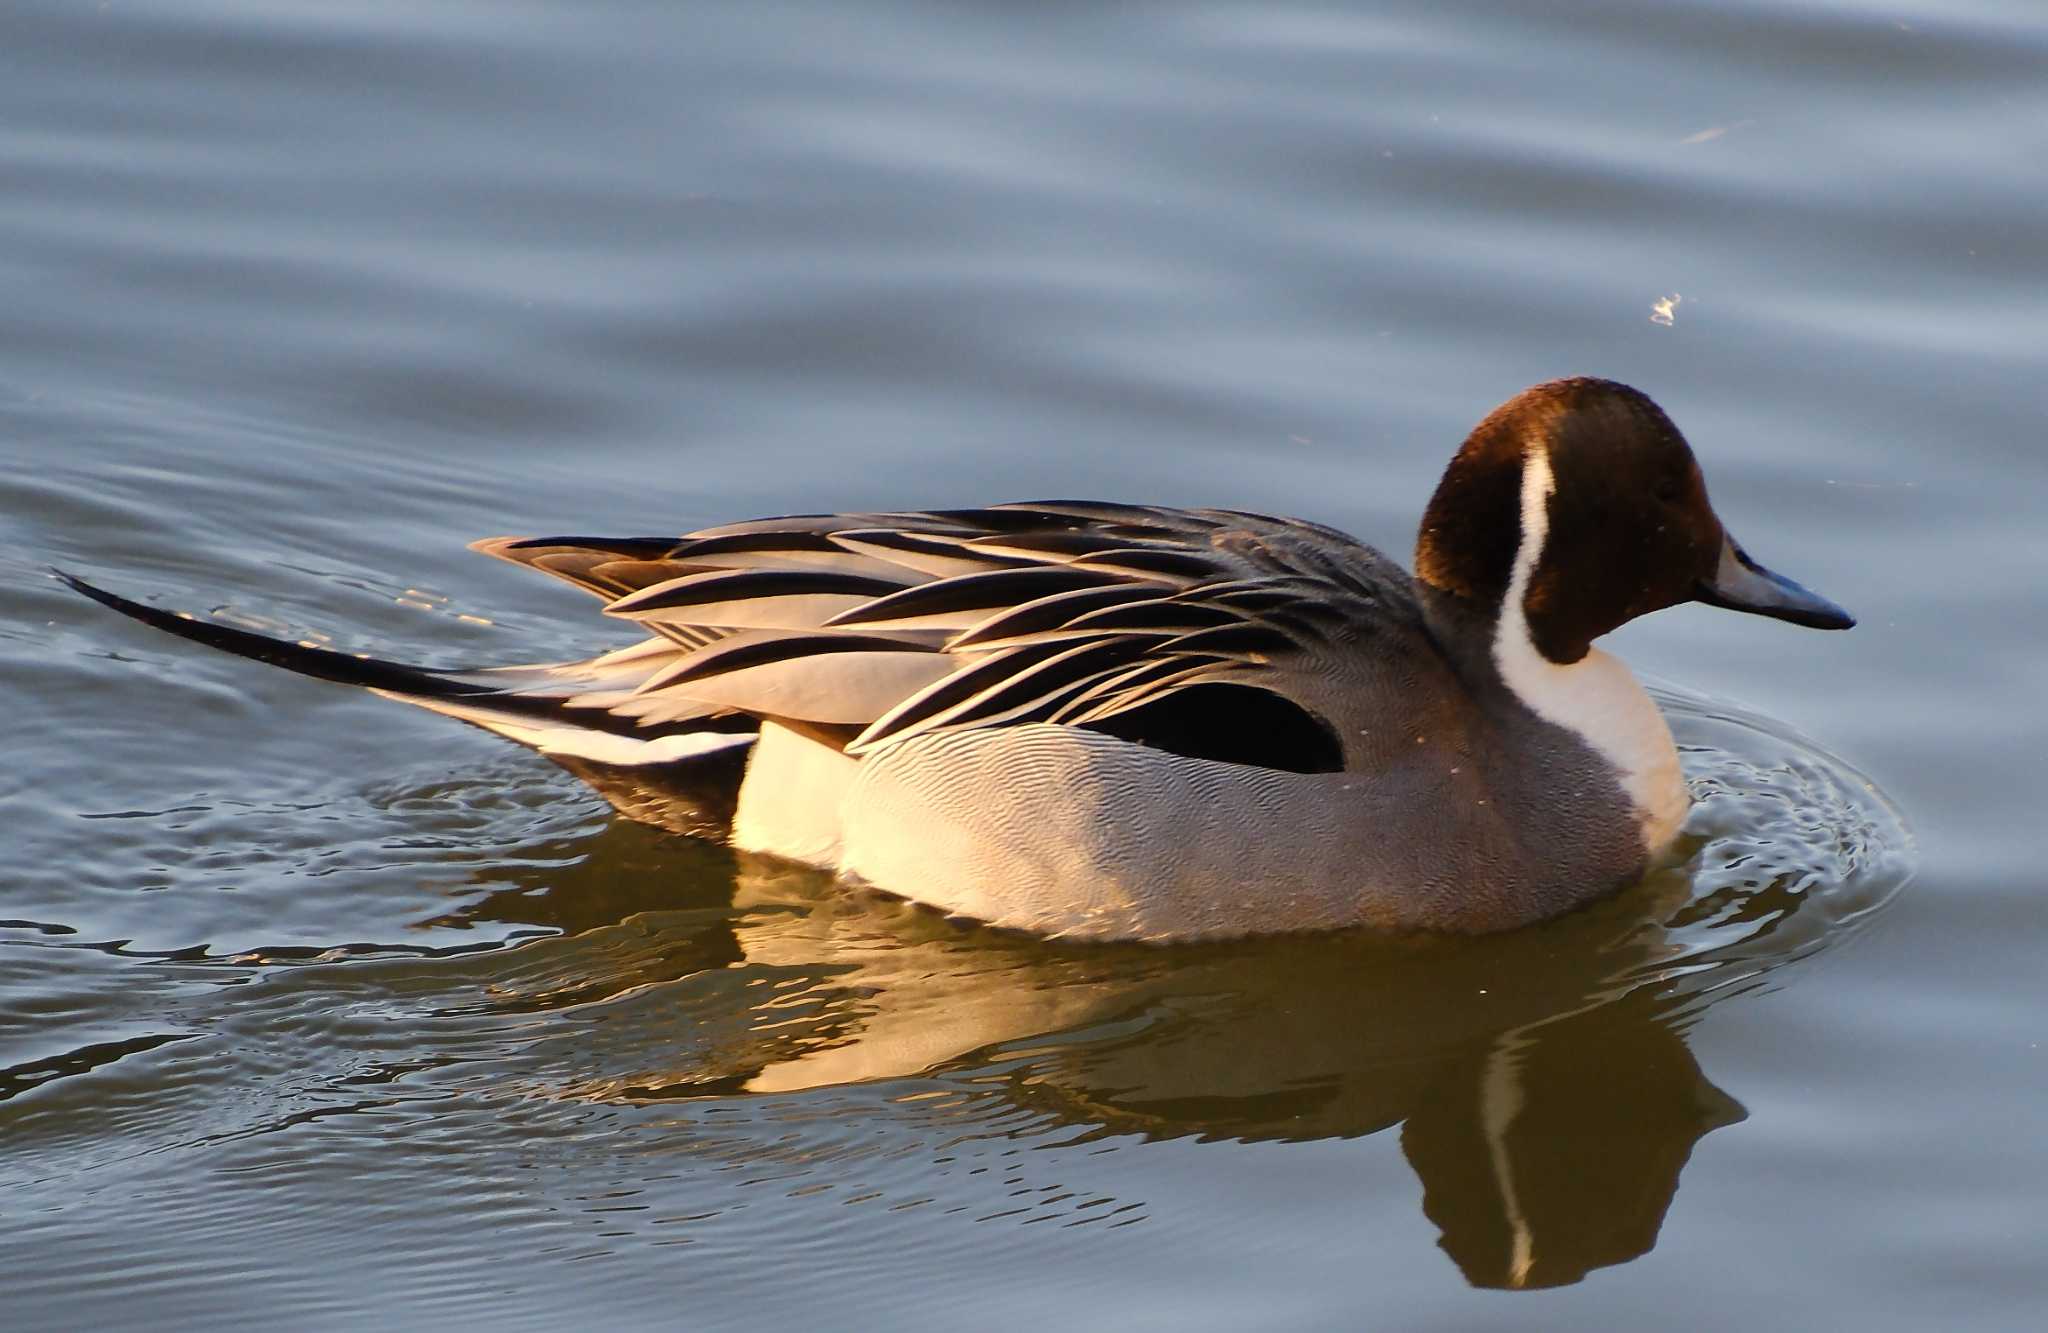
(1129, 721)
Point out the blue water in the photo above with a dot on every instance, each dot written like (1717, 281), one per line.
(317, 1009)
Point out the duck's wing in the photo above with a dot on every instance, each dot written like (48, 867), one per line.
(1201, 631)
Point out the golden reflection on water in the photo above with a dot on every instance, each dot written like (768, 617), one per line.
(1546, 1097)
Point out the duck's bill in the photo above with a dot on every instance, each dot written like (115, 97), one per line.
(1741, 584)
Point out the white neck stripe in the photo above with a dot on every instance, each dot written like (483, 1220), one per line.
(1595, 697)
(1538, 485)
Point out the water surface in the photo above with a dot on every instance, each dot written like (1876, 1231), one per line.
(314, 1006)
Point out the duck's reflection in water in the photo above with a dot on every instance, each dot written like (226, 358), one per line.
(1545, 1092)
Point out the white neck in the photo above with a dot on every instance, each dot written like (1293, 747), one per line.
(1595, 697)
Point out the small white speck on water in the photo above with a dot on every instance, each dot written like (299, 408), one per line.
(1664, 310)
(1713, 132)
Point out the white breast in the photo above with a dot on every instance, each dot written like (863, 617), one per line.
(1596, 697)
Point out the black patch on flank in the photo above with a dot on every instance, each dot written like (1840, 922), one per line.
(1230, 724)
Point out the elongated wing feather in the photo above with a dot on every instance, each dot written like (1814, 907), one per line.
(896, 625)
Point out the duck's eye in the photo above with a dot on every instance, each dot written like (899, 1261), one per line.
(1667, 489)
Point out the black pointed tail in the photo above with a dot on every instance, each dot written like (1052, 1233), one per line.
(321, 663)
(639, 769)
(485, 702)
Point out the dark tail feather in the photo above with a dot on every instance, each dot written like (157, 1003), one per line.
(321, 663)
(471, 700)
(684, 791)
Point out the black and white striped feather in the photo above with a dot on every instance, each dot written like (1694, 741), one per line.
(871, 629)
